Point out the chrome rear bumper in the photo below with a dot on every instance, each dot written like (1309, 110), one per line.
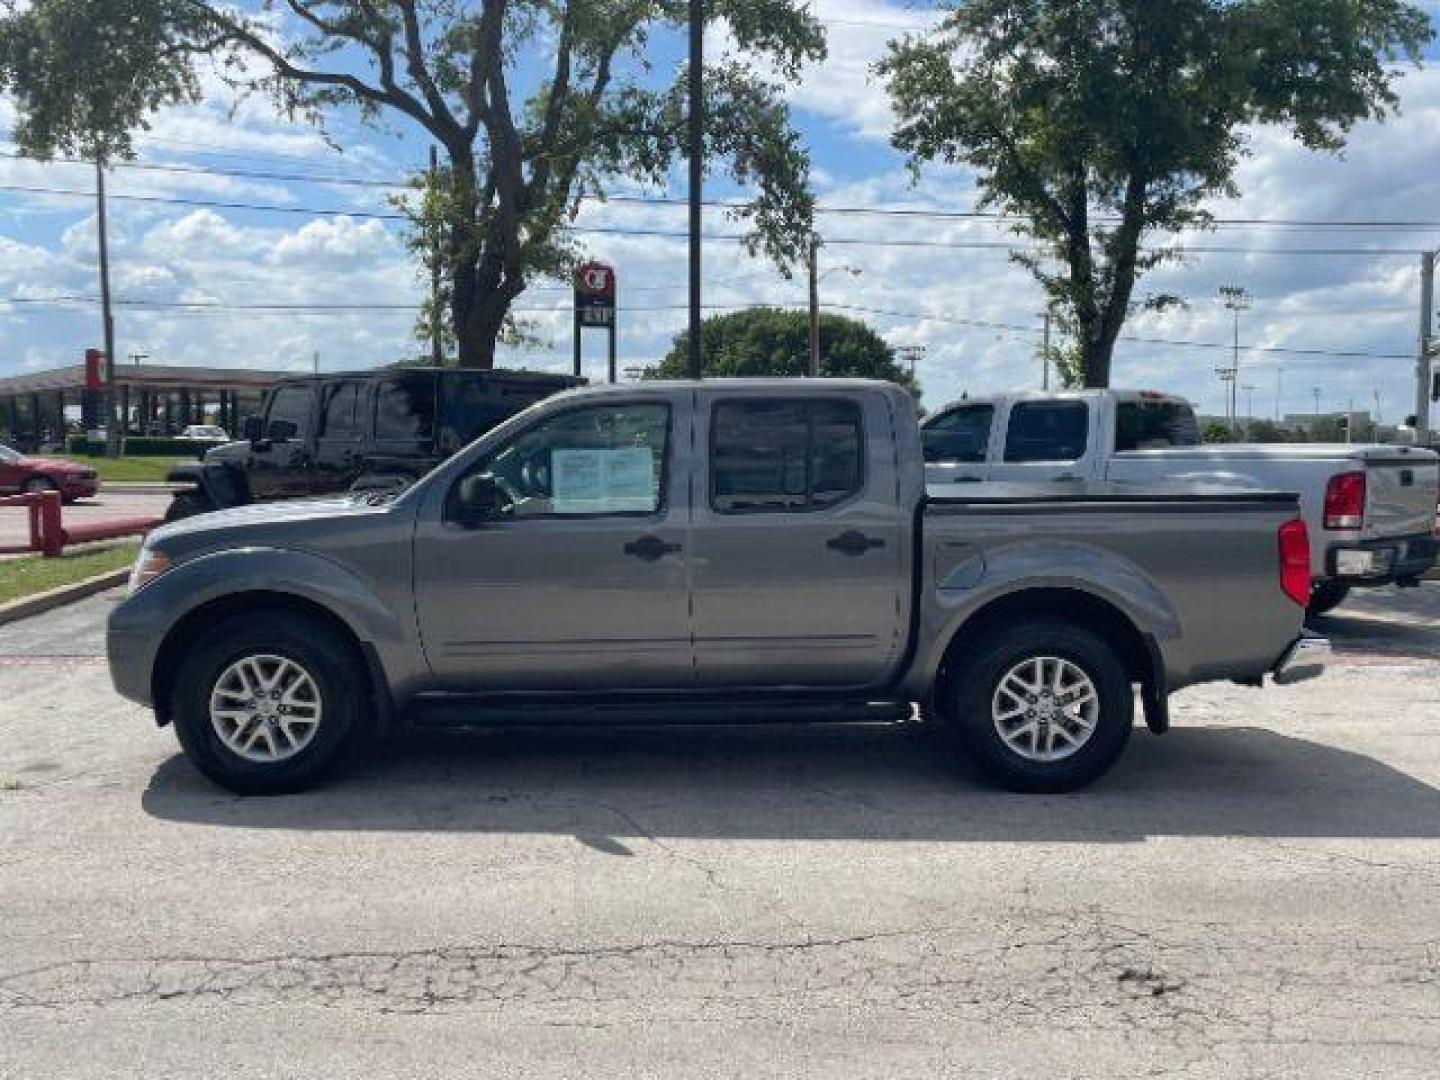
(1305, 659)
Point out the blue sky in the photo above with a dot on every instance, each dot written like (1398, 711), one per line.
(1360, 301)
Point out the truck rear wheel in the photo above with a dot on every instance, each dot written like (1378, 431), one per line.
(1042, 706)
(269, 702)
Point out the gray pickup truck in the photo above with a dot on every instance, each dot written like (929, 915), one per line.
(719, 551)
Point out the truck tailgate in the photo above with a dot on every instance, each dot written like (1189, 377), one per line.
(1402, 486)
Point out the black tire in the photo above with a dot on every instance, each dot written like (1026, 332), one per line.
(329, 659)
(969, 694)
(186, 504)
(1326, 597)
(37, 484)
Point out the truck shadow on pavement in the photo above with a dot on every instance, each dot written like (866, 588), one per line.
(823, 783)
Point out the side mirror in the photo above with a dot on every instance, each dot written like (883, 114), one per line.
(283, 430)
(252, 430)
(478, 499)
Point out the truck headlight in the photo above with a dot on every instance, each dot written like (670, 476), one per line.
(149, 565)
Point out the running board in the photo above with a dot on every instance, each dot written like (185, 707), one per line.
(459, 710)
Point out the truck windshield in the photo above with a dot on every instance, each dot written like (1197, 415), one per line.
(1155, 425)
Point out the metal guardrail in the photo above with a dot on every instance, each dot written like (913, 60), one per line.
(50, 537)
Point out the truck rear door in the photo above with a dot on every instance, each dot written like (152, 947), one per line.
(800, 570)
(1046, 439)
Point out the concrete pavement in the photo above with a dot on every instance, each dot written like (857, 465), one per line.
(1251, 895)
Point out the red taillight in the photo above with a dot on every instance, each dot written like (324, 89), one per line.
(1345, 501)
(1295, 561)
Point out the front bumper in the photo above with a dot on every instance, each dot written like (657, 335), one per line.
(1305, 659)
(1378, 562)
(130, 645)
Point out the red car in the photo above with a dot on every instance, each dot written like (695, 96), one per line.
(19, 473)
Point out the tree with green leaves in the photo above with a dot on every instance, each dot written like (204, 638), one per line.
(535, 104)
(767, 341)
(1100, 124)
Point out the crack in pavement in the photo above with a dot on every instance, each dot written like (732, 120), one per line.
(1184, 984)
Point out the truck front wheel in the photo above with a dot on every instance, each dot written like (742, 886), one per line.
(1041, 706)
(269, 702)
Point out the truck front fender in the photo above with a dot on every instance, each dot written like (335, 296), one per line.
(149, 630)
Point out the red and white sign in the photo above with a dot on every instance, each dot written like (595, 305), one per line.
(595, 294)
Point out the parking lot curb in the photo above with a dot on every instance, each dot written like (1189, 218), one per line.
(40, 603)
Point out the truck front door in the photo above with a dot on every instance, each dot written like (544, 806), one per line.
(798, 556)
(573, 575)
(280, 467)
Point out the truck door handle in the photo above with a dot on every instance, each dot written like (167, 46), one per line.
(851, 542)
(650, 548)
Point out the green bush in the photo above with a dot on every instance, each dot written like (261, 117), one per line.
(145, 446)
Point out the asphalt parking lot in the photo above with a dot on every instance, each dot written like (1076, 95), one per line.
(1255, 894)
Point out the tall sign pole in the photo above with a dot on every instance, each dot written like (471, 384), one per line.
(697, 171)
(112, 420)
(1426, 351)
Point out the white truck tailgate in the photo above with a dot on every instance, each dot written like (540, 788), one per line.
(1401, 489)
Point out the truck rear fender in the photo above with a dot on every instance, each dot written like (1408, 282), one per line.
(1041, 579)
(206, 589)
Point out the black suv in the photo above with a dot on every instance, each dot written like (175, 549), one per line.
(320, 435)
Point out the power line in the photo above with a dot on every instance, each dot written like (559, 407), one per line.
(730, 204)
(1026, 329)
(981, 324)
(611, 230)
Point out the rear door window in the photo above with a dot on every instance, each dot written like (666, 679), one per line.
(1047, 431)
(1155, 425)
(962, 434)
(777, 455)
(342, 419)
(405, 408)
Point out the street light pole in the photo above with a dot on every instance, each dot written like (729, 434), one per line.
(697, 172)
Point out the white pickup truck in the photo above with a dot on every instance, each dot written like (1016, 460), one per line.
(1370, 509)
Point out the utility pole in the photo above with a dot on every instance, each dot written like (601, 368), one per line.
(1279, 388)
(1427, 347)
(1045, 354)
(112, 423)
(1350, 421)
(814, 367)
(437, 348)
(1236, 300)
(315, 361)
(697, 172)
(1249, 389)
